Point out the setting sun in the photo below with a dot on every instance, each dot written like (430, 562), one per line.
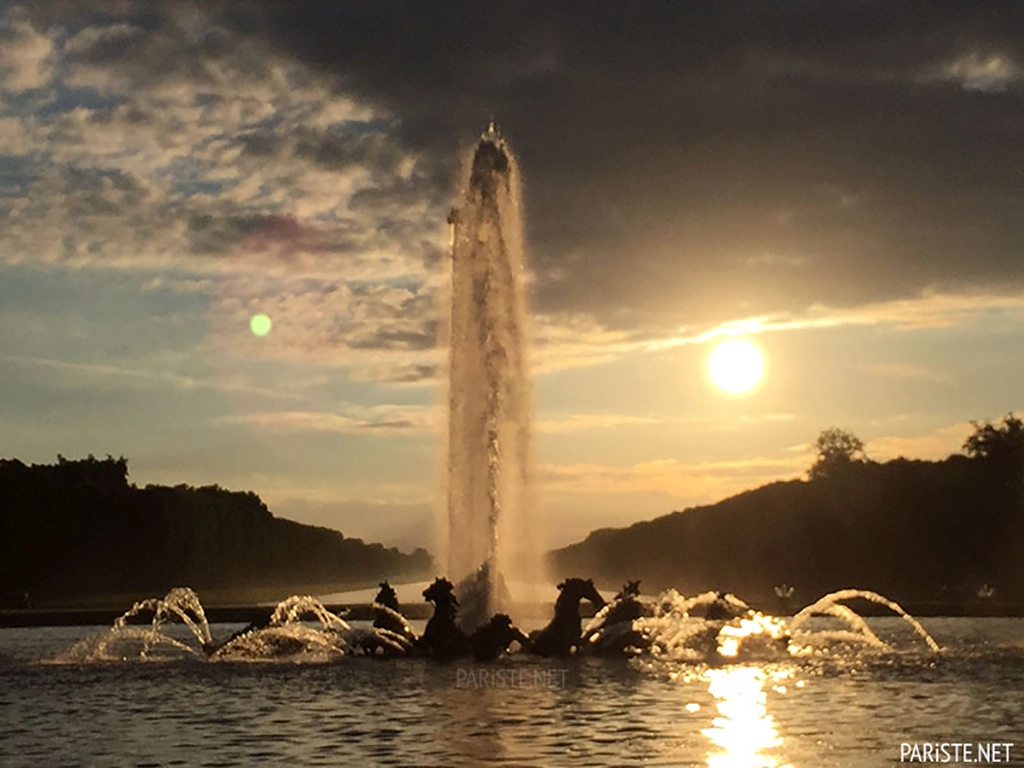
(736, 366)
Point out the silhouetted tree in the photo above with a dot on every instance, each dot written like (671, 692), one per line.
(1000, 448)
(999, 443)
(837, 449)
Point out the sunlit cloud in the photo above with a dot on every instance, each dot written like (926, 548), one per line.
(906, 371)
(586, 421)
(384, 419)
(694, 482)
(935, 445)
(931, 310)
(991, 72)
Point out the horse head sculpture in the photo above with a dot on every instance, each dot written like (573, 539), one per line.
(562, 636)
(442, 639)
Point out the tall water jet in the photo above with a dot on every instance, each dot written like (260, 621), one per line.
(488, 510)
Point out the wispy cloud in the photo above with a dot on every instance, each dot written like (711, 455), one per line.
(930, 310)
(697, 480)
(376, 420)
(982, 71)
(392, 419)
(937, 444)
(586, 421)
(148, 377)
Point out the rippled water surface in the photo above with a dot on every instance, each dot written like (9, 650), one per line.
(842, 707)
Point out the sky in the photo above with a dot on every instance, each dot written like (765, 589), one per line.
(842, 182)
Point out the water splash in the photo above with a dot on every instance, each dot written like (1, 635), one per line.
(489, 395)
(290, 641)
(721, 628)
(181, 603)
(124, 641)
(827, 605)
(292, 609)
(286, 635)
(710, 628)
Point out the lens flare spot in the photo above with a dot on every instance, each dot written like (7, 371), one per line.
(260, 325)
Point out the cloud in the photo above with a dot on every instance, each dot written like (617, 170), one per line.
(148, 378)
(586, 421)
(801, 176)
(174, 142)
(990, 73)
(704, 481)
(379, 420)
(579, 422)
(386, 419)
(25, 54)
(658, 173)
(937, 444)
(928, 311)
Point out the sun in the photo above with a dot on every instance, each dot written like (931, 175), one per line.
(736, 366)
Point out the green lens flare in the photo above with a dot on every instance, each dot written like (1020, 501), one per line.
(260, 325)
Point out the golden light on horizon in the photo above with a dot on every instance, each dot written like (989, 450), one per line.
(736, 366)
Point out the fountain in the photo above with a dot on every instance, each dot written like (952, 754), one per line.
(710, 653)
(488, 526)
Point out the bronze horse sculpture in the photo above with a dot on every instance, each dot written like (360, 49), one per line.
(493, 638)
(613, 630)
(387, 613)
(442, 639)
(561, 637)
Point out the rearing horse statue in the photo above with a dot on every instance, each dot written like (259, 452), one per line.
(562, 636)
(442, 639)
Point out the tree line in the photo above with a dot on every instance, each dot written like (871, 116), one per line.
(78, 528)
(925, 530)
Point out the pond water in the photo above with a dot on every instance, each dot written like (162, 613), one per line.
(842, 705)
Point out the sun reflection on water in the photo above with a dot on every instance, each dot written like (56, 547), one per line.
(743, 729)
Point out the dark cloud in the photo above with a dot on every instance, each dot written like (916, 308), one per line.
(704, 161)
(388, 339)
